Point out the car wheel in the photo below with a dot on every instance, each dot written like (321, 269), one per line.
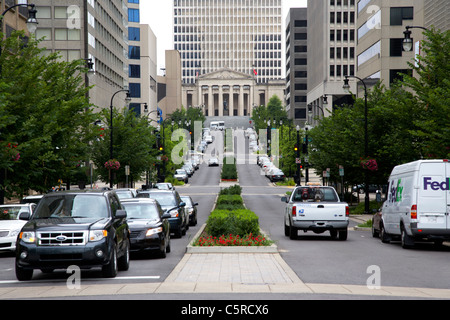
(292, 232)
(124, 261)
(110, 270)
(23, 274)
(406, 240)
(384, 237)
(333, 234)
(343, 234)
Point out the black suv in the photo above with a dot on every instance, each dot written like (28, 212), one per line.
(170, 201)
(83, 228)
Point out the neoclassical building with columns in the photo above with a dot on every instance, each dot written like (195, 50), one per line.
(226, 92)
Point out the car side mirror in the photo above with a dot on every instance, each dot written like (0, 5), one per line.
(166, 215)
(284, 199)
(24, 216)
(195, 204)
(121, 214)
(182, 204)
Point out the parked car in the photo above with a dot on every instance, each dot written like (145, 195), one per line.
(208, 139)
(189, 169)
(191, 209)
(181, 175)
(32, 199)
(213, 161)
(170, 199)
(125, 193)
(84, 228)
(149, 225)
(276, 175)
(10, 223)
(164, 186)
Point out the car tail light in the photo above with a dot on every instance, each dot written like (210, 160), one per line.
(347, 211)
(294, 211)
(414, 211)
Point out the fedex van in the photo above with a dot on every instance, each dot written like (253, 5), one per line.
(418, 203)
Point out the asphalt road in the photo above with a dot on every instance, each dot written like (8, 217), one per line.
(314, 258)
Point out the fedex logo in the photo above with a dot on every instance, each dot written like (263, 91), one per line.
(436, 185)
(396, 192)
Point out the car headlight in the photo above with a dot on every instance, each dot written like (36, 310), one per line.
(153, 231)
(97, 235)
(28, 237)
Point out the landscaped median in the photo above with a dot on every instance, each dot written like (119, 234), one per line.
(231, 228)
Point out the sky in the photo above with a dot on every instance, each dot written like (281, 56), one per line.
(158, 15)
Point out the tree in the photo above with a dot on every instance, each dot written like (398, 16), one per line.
(431, 84)
(134, 145)
(44, 112)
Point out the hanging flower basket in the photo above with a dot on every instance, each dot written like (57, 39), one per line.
(112, 164)
(369, 164)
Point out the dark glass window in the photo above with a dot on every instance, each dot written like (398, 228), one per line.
(133, 15)
(398, 14)
(135, 90)
(396, 47)
(134, 34)
(134, 52)
(134, 71)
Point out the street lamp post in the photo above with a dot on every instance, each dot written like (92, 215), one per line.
(366, 139)
(407, 42)
(127, 99)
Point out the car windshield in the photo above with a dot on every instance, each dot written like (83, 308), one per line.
(72, 206)
(315, 194)
(164, 199)
(12, 212)
(188, 201)
(180, 172)
(141, 210)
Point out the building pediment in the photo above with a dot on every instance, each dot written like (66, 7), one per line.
(225, 74)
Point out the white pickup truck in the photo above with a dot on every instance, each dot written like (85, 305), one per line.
(317, 209)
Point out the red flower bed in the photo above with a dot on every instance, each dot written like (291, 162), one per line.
(232, 240)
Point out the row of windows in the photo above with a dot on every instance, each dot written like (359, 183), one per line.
(342, 53)
(342, 17)
(59, 34)
(342, 70)
(339, 2)
(342, 35)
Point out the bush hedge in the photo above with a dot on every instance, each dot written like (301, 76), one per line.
(229, 170)
(237, 222)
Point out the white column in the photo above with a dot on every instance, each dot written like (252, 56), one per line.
(210, 101)
(220, 101)
(241, 101)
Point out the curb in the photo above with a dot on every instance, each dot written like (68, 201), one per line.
(237, 249)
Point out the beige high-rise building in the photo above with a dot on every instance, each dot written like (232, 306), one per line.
(331, 54)
(381, 23)
(89, 29)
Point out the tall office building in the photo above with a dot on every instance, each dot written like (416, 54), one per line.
(296, 65)
(331, 54)
(244, 36)
(380, 27)
(92, 29)
(142, 68)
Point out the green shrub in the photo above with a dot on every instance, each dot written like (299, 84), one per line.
(229, 206)
(236, 189)
(230, 199)
(229, 170)
(237, 222)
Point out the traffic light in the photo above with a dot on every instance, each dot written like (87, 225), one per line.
(295, 148)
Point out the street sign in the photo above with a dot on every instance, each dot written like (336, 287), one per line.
(298, 160)
(341, 171)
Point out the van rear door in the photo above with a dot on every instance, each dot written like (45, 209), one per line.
(432, 197)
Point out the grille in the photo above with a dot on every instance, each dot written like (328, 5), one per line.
(135, 234)
(4, 233)
(68, 238)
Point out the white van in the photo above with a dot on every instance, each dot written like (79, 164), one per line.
(418, 203)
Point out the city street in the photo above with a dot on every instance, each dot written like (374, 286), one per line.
(315, 259)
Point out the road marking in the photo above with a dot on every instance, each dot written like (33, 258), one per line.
(84, 279)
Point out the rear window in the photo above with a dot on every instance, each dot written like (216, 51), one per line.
(141, 211)
(12, 212)
(164, 199)
(315, 194)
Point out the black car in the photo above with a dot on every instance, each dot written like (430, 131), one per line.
(149, 225)
(83, 228)
(170, 199)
